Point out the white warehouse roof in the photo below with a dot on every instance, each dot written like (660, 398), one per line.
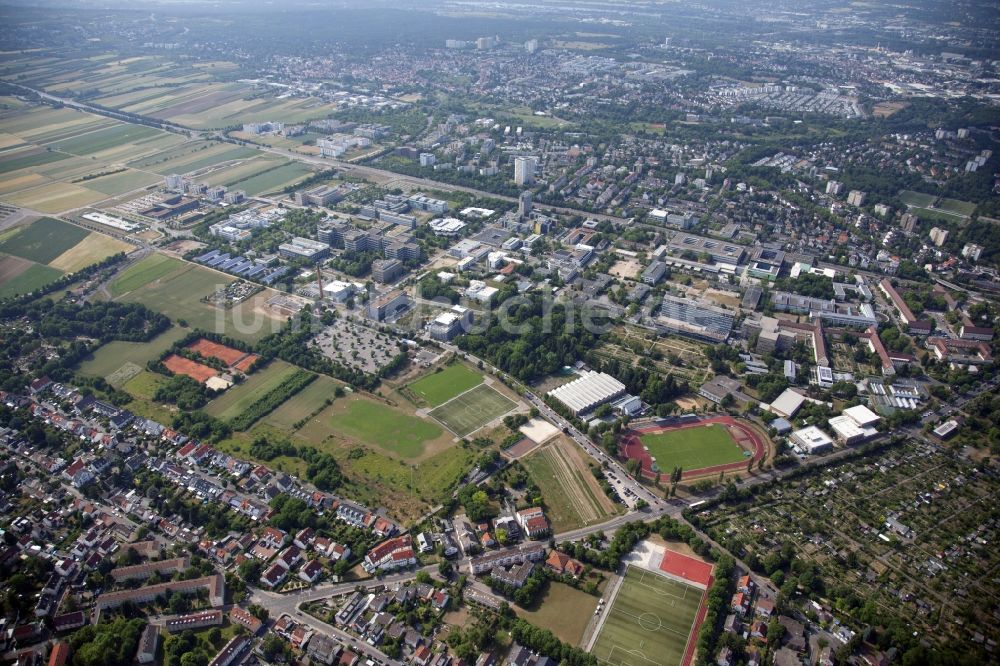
(861, 415)
(787, 403)
(589, 391)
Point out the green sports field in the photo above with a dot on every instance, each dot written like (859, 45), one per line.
(471, 410)
(438, 388)
(692, 448)
(387, 428)
(649, 621)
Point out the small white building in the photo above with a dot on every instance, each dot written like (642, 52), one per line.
(811, 440)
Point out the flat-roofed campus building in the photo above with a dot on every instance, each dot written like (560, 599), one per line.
(304, 248)
(588, 392)
(811, 440)
(765, 263)
(388, 305)
(694, 320)
(721, 252)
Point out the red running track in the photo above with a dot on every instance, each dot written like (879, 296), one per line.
(698, 621)
(631, 447)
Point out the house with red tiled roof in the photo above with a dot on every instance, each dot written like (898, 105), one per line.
(60, 654)
(245, 619)
(273, 576)
(311, 572)
(395, 553)
(533, 521)
(187, 449)
(561, 563)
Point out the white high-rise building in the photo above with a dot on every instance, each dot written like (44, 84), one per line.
(531, 45)
(524, 169)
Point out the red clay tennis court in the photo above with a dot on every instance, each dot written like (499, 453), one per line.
(231, 357)
(185, 366)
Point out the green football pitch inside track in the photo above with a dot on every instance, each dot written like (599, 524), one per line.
(649, 621)
(692, 448)
(471, 410)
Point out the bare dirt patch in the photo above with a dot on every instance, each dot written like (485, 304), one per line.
(11, 267)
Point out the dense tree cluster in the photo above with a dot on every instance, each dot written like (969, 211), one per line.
(106, 644)
(184, 392)
(534, 339)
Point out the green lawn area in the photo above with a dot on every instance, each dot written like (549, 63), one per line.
(305, 402)
(43, 240)
(31, 279)
(142, 273)
(438, 388)
(387, 428)
(473, 409)
(649, 621)
(112, 356)
(965, 208)
(564, 610)
(181, 294)
(141, 388)
(237, 399)
(692, 448)
(919, 199)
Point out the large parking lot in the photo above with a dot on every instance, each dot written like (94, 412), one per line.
(356, 346)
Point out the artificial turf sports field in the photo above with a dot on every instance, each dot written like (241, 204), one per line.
(692, 448)
(438, 388)
(471, 410)
(649, 621)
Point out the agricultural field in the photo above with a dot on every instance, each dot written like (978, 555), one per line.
(438, 388)
(64, 160)
(563, 610)
(33, 255)
(43, 240)
(28, 280)
(470, 411)
(93, 248)
(109, 358)
(649, 621)
(259, 175)
(238, 398)
(570, 492)
(692, 448)
(122, 182)
(181, 294)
